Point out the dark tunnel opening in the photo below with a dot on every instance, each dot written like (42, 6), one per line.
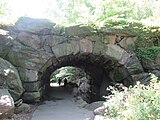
(95, 66)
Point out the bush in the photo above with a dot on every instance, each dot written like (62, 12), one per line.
(135, 103)
(148, 53)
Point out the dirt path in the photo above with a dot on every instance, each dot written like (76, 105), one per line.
(61, 107)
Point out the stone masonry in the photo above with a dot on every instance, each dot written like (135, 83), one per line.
(37, 47)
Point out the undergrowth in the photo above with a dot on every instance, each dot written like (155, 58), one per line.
(135, 103)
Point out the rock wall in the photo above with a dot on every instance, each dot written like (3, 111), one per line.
(37, 47)
(9, 79)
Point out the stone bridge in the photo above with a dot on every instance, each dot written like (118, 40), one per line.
(38, 47)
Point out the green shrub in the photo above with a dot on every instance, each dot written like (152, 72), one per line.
(135, 103)
(149, 53)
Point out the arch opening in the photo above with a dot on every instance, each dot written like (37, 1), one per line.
(72, 80)
(97, 69)
(69, 74)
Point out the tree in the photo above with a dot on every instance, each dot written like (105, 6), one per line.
(2, 7)
(76, 11)
(72, 73)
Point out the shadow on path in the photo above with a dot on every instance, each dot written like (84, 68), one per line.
(60, 105)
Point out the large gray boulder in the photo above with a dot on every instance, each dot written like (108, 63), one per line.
(94, 105)
(9, 79)
(99, 111)
(6, 104)
(37, 26)
(27, 57)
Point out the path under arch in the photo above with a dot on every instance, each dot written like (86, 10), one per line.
(61, 106)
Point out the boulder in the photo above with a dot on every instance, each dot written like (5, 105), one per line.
(129, 81)
(27, 75)
(127, 42)
(28, 57)
(94, 105)
(133, 65)
(24, 108)
(78, 30)
(86, 46)
(9, 79)
(157, 73)
(37, 26)
(99, 111)
(151, 65)
(6, 104)
(99, 117)
(32, 96)
(148, 64)
(98, 46)
(81, 102)
(144, 78)
(118, 74)
(66, 49)
(116, 53)
(29, 79)
(29, 39)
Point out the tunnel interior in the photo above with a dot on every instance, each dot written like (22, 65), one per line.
(72, 80)
(97, 67)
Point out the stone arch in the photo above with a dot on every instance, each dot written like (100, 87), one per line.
(108, 68)
(94, 65)
(38, 47)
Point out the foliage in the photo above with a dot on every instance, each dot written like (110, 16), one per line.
(71, 12)
(135, 103)
(61, 73)
(71, 73)
(149, 53)
(148, 42)
(148, 36)
(96, 12)
(3, 7)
